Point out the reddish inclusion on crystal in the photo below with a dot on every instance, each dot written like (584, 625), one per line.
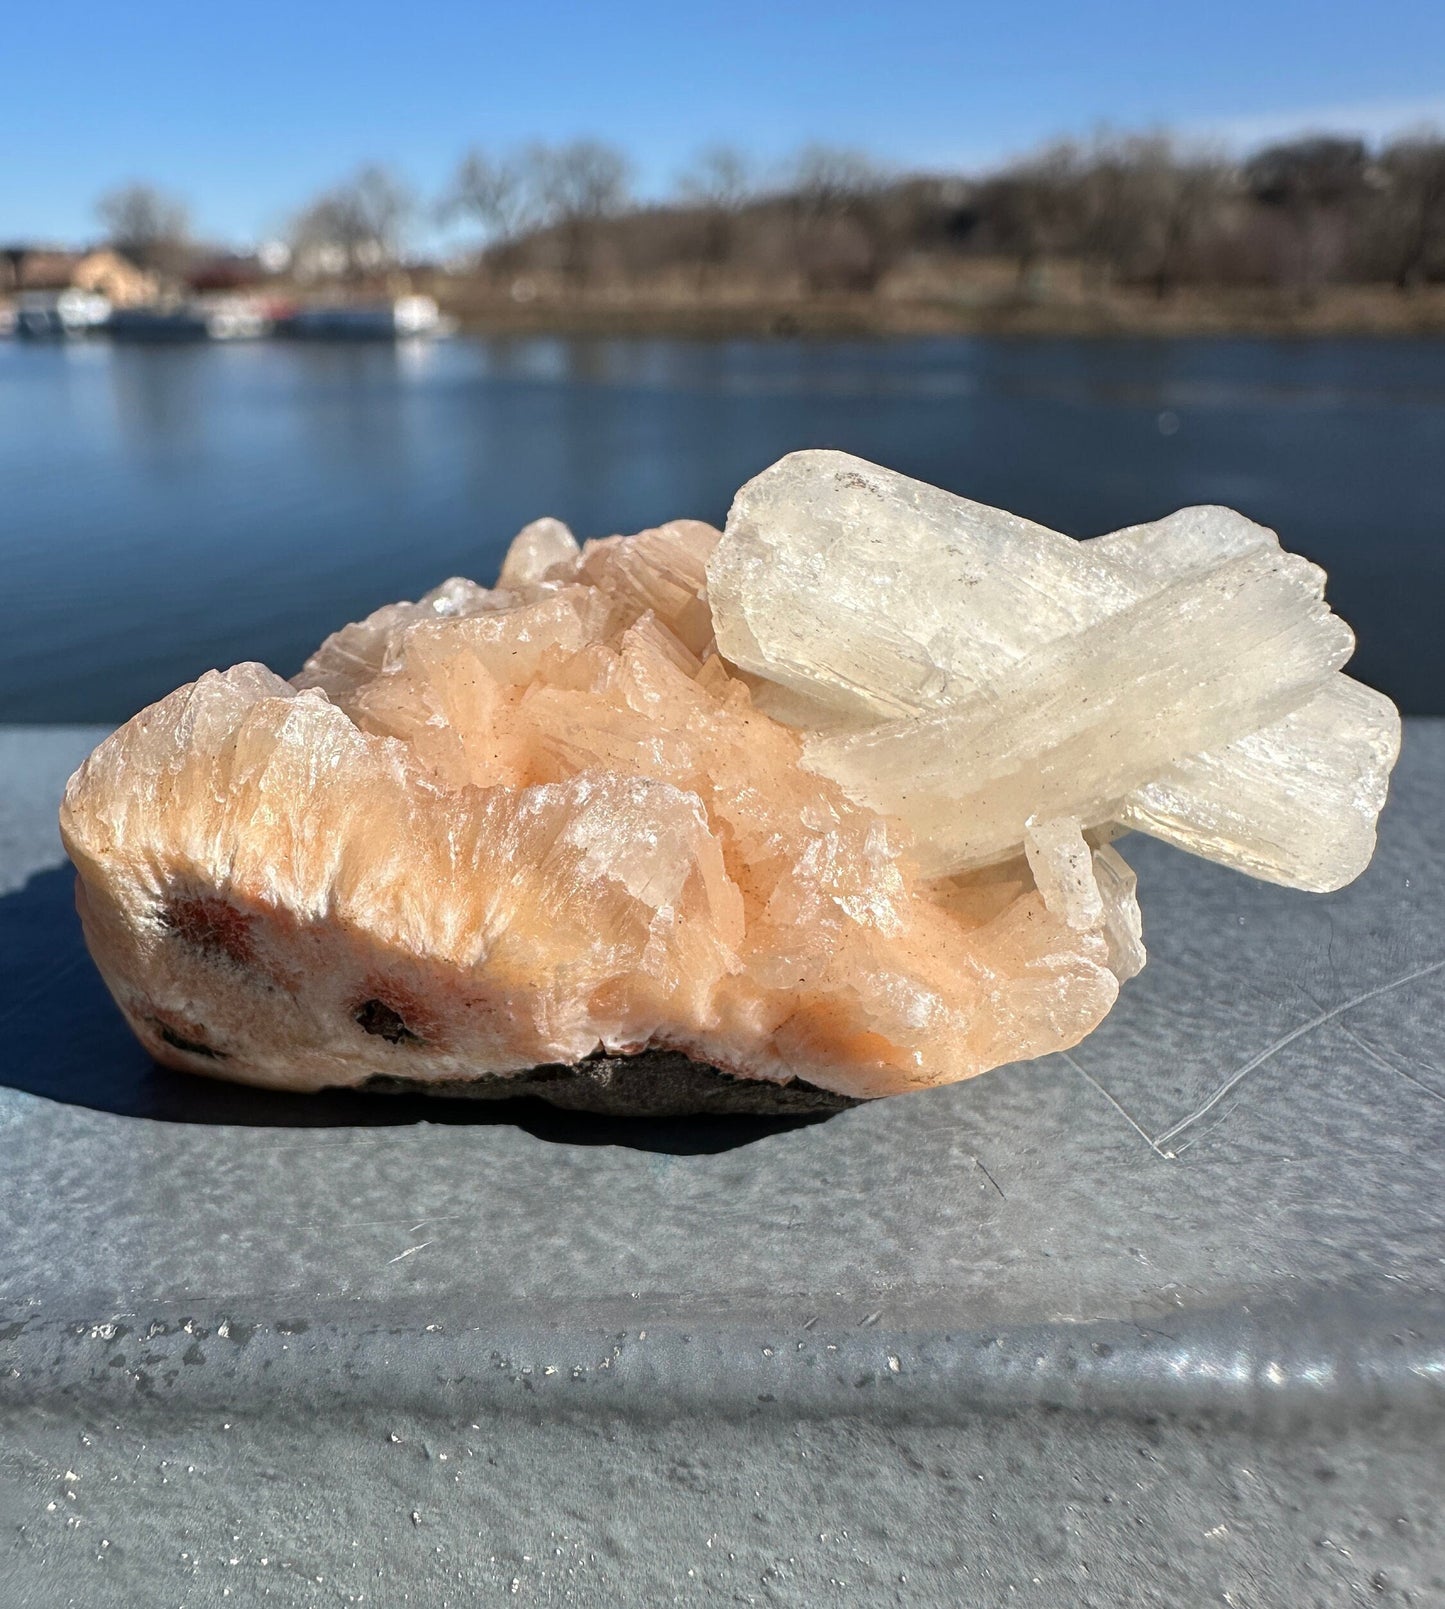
(211, 924)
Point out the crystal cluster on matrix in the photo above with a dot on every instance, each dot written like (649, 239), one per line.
(824, 800)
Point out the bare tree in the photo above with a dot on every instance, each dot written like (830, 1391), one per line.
(384, 204)
(1143, 205)
(843, 231)
(149, 226)
(719, 185)
(1111, 210)
(1034, 208)
(1312, 183)
(720, 176)
(358, 226)
(324, 238)
(576, 187)
(1414, 202)
(1134, 209)
(831, 179)
(491, 192)
(1188, 195)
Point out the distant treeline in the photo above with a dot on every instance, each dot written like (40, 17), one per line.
(1138, 211)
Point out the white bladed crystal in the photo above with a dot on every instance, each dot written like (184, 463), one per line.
(970, 672)
(1063, 866)
(842, 582)
(1123, 923)
(1292, 803)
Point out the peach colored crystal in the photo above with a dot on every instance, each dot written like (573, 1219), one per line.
(498, 829)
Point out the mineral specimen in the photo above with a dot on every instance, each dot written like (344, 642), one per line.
(819, 808)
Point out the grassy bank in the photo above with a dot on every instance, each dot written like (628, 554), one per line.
(1342, 311)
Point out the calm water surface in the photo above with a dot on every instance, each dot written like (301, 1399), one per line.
(162, 511)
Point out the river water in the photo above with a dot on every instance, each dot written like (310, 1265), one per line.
(166, 510)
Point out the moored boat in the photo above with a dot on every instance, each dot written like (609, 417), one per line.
(219, 319)
(399, 319)
(59, 315)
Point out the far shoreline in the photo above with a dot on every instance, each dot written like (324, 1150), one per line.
(1352, 313)
(989, 300)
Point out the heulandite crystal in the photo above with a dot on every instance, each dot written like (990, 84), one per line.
(815, 809)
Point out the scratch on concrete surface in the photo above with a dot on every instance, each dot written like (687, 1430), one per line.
(1387, 1064)
(978, 1163)
(409, 1250)
(1270, 1050)
(1142, 1132)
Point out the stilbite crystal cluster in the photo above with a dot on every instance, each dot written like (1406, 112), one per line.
(823, 803)
(968, 672)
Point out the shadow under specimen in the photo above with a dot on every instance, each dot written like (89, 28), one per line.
(62, 1037)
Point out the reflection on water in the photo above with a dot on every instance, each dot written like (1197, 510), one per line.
(159, 407)
(163, 510)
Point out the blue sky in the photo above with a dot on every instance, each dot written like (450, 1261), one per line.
(247, 117)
